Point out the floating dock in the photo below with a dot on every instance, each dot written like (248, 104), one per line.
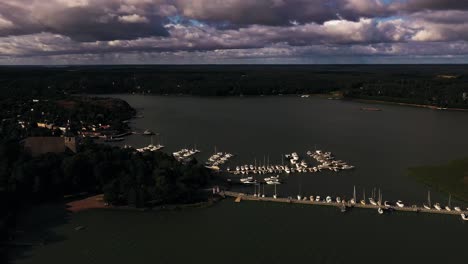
(247, 197)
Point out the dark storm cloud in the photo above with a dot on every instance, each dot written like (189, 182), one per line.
(83, 20)
(280, 12)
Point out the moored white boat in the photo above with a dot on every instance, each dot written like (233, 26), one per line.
(437, 207)
(464, 217)
(400, 204)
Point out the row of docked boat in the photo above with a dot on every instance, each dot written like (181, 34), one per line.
(327, 161)
(273, 180)
(218, 159)
(185, 154)
(151, 147)
(296, 165)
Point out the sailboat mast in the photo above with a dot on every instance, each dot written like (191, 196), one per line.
(429, 197)
(354, 193)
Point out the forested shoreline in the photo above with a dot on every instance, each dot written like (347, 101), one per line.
(434, 85)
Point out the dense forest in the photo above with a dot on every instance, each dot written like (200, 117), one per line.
(125, 177)
(438, 85)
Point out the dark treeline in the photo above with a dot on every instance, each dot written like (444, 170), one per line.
(440, 85)
(125, 178)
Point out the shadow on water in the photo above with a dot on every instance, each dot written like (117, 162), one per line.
(35, 227)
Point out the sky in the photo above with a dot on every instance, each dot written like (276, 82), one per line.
(65, 32)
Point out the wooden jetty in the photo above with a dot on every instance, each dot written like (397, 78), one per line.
(247, 197)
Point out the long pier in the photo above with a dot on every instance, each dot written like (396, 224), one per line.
(248, 197)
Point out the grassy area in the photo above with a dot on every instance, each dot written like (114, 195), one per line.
(450, 178)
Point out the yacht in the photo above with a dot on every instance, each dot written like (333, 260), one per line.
(317, 198)
(328, 199)
(352, 201)
(457, 209)
(437, 206)
(273, 182)
(426, 207)
(246, 179)
(400, 204)
(363, 202)
(338, 199)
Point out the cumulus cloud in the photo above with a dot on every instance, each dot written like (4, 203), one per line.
(229, 29)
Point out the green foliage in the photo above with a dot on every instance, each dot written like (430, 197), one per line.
(450, 178)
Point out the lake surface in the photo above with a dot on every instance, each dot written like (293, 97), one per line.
(382, 145)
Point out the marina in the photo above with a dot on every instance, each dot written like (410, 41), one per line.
(325, 161)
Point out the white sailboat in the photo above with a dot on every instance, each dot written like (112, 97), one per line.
(448, 208)
(428, 206)
(363, 201)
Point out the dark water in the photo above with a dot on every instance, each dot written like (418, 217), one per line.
(382, 145)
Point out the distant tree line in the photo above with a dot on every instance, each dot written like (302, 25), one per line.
(442, 85)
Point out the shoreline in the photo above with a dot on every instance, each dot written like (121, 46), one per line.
(97, 202)
(406, 104)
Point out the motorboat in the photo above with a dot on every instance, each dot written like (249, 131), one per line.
(448, 208)
(380, 210)
(352, 201)
(317, 198)
(437, 206)
(387, 204)
(426, 207)
(343, 208)
(148, 132)
(272, 178)
(328, 199)
(338, 199)
(464, 217)
(363, 202)
(400, 204)
(457, 209)
(311, 198)
(299, 197)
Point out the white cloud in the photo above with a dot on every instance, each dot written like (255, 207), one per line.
(133, 19)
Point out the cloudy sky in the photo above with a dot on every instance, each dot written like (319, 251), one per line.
(233, 31)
